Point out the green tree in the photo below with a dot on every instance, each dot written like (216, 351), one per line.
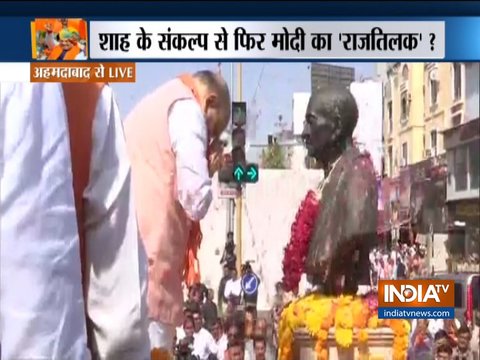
(274, 157)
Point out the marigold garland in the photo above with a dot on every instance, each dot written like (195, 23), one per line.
(348, 315)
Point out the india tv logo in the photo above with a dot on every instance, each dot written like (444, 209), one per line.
(416, 299)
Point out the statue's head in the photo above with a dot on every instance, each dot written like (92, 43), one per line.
(330, 120)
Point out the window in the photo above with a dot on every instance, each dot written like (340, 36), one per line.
(404, 154)
(433, 92)
(458, 295)
(460, 163)
(390, 161)
(433, 142)
(456, 120)
(404, 106)
(457, 81)
(474, 164)
(390, 116)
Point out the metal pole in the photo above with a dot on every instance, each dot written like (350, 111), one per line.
(239, 205)
(231, 202)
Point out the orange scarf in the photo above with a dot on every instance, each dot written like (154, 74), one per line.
(191, 272)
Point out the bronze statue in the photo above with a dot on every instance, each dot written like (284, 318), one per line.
(345, 229)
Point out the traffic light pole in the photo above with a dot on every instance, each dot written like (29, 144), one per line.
(231, 202)
(239, 204)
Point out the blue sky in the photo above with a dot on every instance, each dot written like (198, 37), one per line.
(267, 87)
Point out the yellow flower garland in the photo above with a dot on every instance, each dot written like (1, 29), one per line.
(348, 315)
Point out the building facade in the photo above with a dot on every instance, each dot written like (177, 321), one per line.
(421, 100)
(325, 74)
(462, 143)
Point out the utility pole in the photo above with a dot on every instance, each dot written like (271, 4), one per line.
(239, 202)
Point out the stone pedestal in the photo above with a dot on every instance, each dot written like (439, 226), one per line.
(380, 344)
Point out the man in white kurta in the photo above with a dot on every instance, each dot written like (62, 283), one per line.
(42, 308)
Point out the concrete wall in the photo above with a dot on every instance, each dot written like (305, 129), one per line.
(268, 213)
(300, 102)
(368, 133)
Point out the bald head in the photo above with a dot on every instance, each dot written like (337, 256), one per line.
(330, 120)
(215, 100)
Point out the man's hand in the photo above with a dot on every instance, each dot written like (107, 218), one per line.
(215, 156)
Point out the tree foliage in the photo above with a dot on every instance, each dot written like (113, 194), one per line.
(274, 157)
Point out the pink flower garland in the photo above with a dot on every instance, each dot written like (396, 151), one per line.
(295, 252)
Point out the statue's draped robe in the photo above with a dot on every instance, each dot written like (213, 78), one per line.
(346, 225)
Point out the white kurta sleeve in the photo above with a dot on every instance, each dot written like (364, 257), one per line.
(116, 301)
(188, 136)
(41, 301)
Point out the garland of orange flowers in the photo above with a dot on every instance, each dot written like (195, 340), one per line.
(160, 354)
(348, 315)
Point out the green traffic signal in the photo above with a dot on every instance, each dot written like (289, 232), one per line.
(238, 173)
(252, 173)
(249, 174)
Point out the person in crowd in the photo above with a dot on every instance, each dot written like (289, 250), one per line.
(229, 259)
(441, 337)
(463, 350)
(209, 310)
(401, 272)
(185, 340)
(68, 47)
(191, 296)
(434, 325)
(260, 348)
(204, 345)
(250, 319)
(235, 328)
(220, 338)
(443, 352)
(451, 326)
(236, 351)
(421, 340)
(261, 332)
(72, 277)
(187, 314)
(200, 294)
(233, 287)
(174, 145)
(280, 294)
(231, 308)
(221, 299)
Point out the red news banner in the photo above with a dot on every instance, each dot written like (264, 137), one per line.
(78, 72)
(431, 293)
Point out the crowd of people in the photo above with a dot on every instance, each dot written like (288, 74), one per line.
(441, 340)
(402, 262)
(209, 332)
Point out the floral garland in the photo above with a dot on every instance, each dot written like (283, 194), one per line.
(296, 251)
(160, 354)
(348, 316)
